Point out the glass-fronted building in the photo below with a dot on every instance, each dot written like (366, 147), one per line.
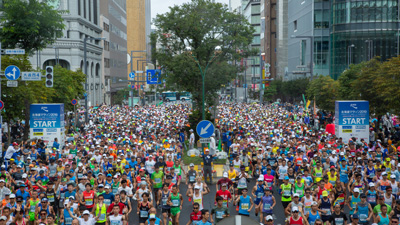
(361, 30)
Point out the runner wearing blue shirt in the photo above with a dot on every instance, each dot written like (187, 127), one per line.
(21, 192)
(205, 214)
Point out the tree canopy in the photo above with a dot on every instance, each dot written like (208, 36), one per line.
(201, 25)
(29, 24)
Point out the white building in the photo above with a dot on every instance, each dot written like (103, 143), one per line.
(82, 20)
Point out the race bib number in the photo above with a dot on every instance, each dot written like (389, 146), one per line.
(219, 214)
(245, 206)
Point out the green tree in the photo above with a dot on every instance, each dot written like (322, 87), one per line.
(201, 25)
(347, 79)
(387, 84)
(29, 24)
(324, 89)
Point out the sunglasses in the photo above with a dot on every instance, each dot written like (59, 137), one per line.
(318, 223)
(295, 211)
(395, 221)
(196, 208)
(269, 220)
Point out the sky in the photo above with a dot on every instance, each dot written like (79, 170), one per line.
(162, 6)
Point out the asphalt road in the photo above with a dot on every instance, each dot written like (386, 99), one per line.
(208, 203)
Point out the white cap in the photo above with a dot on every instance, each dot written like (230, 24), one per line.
(3, 218)
(384, 173)
(269, 217)
(24, 175)
(295, 208)
(86, 212)
(356, 190)
(12, 196)
(80, 164)
(296, 195)
(371, 184)
(225, 175)
(398, 165)
(260, 179)
(2, 180)
(341, 153)
(392, 176)
(314, 203)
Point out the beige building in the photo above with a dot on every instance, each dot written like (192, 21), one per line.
(138, 28)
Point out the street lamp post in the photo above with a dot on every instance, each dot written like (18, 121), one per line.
(349, 55)
(245, 77)
(86, 82)
(203, 73)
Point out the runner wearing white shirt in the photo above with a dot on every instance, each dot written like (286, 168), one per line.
(116, 218)
(86, 220)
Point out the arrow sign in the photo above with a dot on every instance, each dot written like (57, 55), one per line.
(132, 75)
(12, 72)
(205, 129)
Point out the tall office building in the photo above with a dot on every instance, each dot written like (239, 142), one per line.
(275, 37)
(340, 33)
(114, 25)
(362, 30)
(308, 32)
(82, 20)
(251, 10)
(138, 29)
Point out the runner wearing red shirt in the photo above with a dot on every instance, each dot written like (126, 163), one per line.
(195, 215)
(225, 194)
(88, 197)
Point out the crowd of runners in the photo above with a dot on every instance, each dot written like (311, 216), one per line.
(129, 161)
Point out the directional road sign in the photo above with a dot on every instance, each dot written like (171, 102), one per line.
(132, 75)
(12, 72)
(153, 76)
(31, 76)
(139, 71)
(15, 51)
(12, 83)
(205, 129)
(74, 102)
(205, 140)
(1, 104)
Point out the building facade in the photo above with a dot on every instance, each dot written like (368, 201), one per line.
(274, 41)
(362, 30)
(82, 20)
(137, 26)
(114, 25)
(251, 10)
(340, 33)
(308, 33)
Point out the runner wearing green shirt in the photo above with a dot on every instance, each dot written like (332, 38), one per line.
(377, 208)
(220, 211)
(157, 179)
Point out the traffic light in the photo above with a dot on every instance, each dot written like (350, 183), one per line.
(49, 76)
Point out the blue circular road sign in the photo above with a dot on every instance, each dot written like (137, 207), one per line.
(132, 75)
(205, 129)
(12, 72)
(1, 105)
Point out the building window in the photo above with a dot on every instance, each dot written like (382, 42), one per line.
(95, 12)
(79, 7)
(303, 49)
(84, 8)
(255, 9)
(295, 25)
(321, 19)
(106, 27)
(255, 19)
(106, 45)
(90, 10)
(256, 40)
(106, 63)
